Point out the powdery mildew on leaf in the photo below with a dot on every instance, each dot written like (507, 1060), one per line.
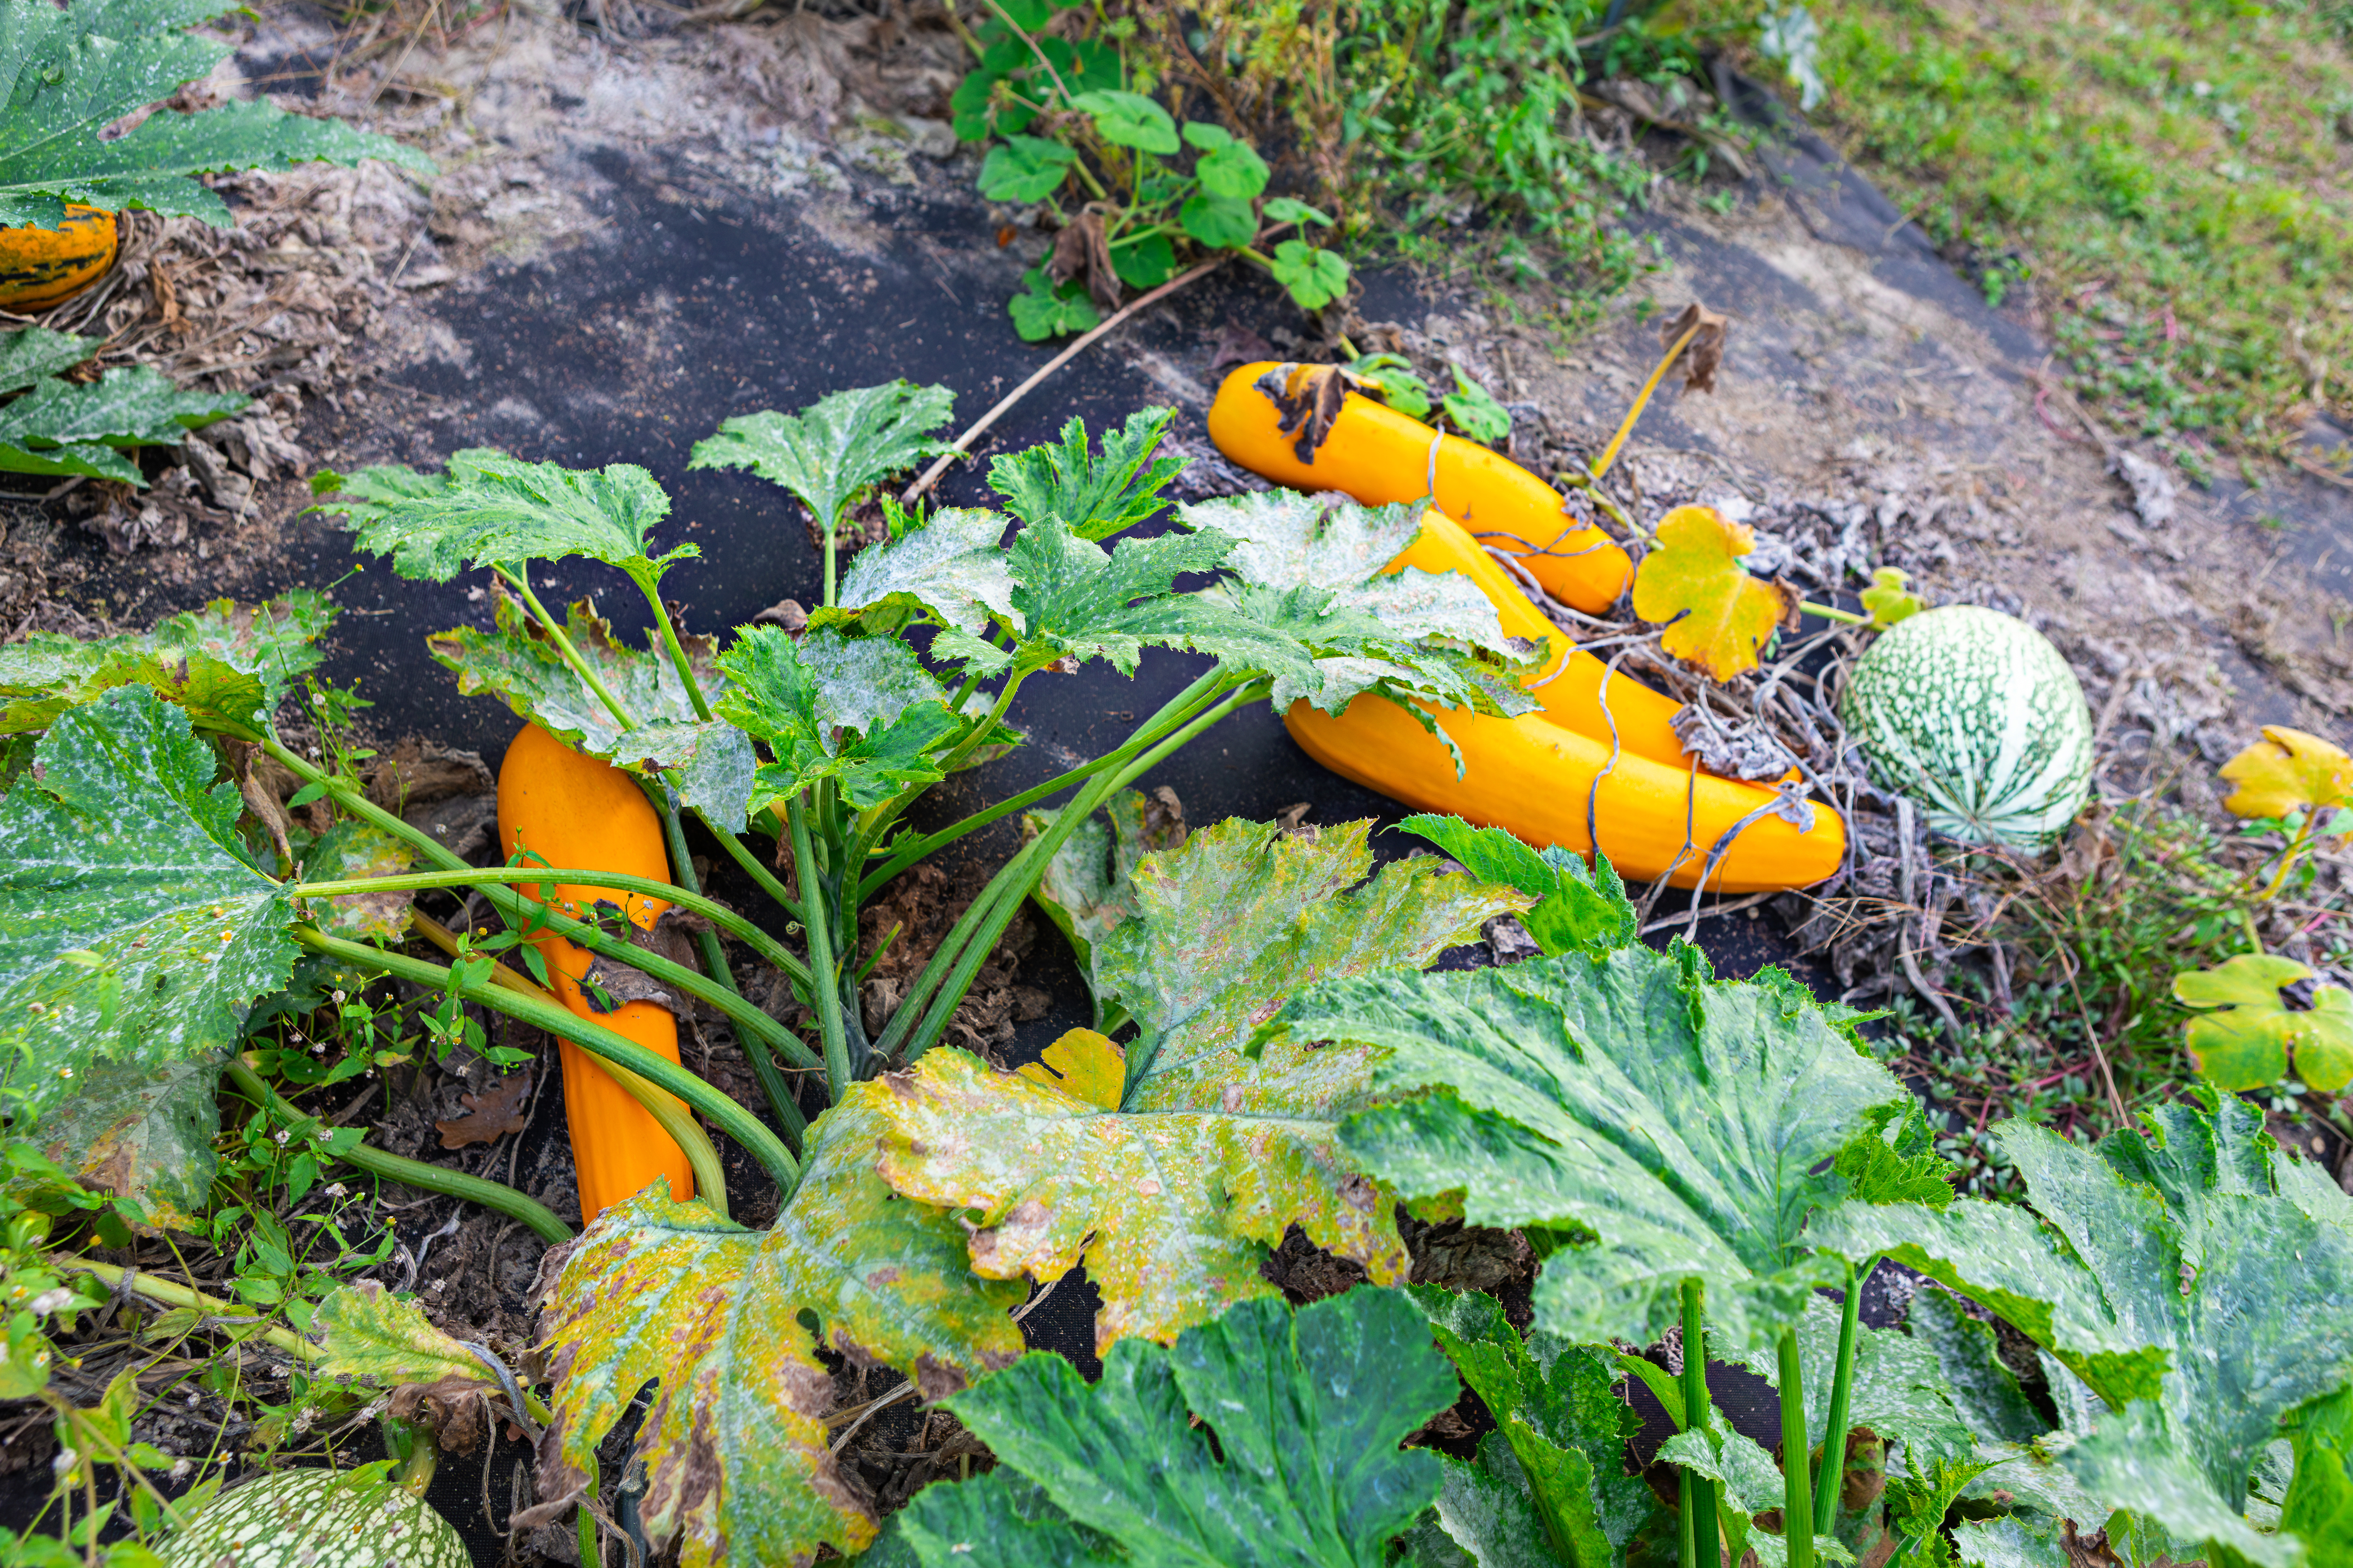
(2194, 1276)
(487, 508)
(860, 710)
(1676, 1121)
(144, 1132)
(1094, 496)
(68, 74)
(951, 567)
(735, 1447)
(131, 929)
(349, 851)
(226, 663)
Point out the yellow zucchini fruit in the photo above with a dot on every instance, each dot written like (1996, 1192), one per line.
(1379, 456)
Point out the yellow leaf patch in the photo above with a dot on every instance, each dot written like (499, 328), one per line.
(2289, 771)
(1720, 618)
(1084, 1065)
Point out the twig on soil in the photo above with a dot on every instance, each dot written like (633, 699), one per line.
(980, 426)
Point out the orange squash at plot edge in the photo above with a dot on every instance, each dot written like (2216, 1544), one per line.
(1380, 456)
(40, 267)
(575, 811)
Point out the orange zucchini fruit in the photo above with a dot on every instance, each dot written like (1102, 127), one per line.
(1531, 775)
(41, 267)
(571, 810)
(1380, 456)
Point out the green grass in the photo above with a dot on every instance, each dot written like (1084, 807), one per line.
(2173, 176)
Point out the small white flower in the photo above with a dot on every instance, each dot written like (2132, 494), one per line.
(64, 1463)
(180, 1468)
(335, 1189)
(50, 1301)
(279, 1138)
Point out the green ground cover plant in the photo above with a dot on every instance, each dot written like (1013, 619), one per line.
(2173, 178)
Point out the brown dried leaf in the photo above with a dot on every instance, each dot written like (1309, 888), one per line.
(1082, 247)
(1705, 357)
(490, 1117)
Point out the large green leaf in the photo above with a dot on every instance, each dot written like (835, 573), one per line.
(131, 929)
(1984, 1392)
(1094, 497)
(31, 352)
(2193, 1276)
(1311, 569)
(860, 711)
(728, 1322)
(1675, 1126)
(951, 567)
(2317, 1509)
(1550, 1484)
(838, 446)
(1242, 918)
(1174, 1201)
(710, 761)
(1290, 1457)
(1576, 909)
(62, 427)
(487, 508)
(226, 663)
(1747, 1483)
(1079, 601)
(68, 74)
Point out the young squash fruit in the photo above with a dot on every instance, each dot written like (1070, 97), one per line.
(1976, 715)
(1301, 426)
(41, 268)
(569, 810)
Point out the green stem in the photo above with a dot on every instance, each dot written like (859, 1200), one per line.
(1831, 1482)
(753, 868)
(1035, 856)
(171, 1294)
(1832, 612)
(1797, 1477)
(971, 742)
(494, 1195)
(1172, 713)
(676, 654)
(563, 648)
(714, 958)
(523, 909)
(595, 1039)
(825, 984)
(2287, 863)
(1698, 1492)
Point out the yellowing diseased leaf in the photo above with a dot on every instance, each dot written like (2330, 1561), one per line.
(1084, 1065)
(1720, 616)
(366, 1332)
(2289, 771)
(737, 1461)
(1172, 1211)
(2248, 1041)
(1887, 601)
(346, 852)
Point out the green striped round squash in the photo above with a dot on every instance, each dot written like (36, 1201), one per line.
(1974, 714)
(319, 1519)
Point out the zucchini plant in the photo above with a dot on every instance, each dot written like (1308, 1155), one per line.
(1715, 1162)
